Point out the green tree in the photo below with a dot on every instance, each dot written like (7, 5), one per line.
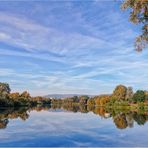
(4, 90)
(83, 100)
(146, 95)
(4, 95)
(138, 15)
(139, 96)
(75, 99)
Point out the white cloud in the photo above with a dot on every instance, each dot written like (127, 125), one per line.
(35, 37)
(93, 49)
(4, 36)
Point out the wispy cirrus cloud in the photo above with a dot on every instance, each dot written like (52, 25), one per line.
(71, 47)
(38, 38)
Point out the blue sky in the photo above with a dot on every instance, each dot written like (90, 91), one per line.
(69, 47)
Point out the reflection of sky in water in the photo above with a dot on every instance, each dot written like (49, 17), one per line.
(70, 129)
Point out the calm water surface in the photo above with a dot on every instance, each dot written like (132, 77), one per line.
(63, 128)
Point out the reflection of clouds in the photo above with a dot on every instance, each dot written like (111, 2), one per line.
(69, 129)
(65, 122)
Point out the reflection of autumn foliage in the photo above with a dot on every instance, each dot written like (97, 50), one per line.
(83, 109)
(121, 118)
(100, 111)
(83, 100)
(39, 108)
(21, 114)
(91, 102)
(24, 116)
(3, 123)
(120, 121)
(13, 113)
(90, 108)
(129, 119)
(73, 108)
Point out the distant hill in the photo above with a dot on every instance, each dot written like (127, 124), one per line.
(58, 96)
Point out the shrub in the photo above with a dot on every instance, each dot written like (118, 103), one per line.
(139, 96)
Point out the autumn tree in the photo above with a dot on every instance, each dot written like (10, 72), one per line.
(14, 96)
(25, 95)
(97, 100)
(102, 100)
(91, 102)
(119, 93)
(138, 15)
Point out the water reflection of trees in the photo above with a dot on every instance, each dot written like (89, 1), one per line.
(127, 120)
(3, 123)
(121, 118)
(14, 113)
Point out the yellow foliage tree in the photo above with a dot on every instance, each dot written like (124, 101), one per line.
(138, 15)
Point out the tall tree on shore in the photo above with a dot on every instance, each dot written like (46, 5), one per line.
(129, 93)
(4, 90)
(119, 93)
(138, 15)
(139, 96)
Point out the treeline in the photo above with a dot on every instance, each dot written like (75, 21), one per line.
(17, 99)
(121, 96)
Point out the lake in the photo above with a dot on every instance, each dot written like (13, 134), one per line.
(62, 128)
